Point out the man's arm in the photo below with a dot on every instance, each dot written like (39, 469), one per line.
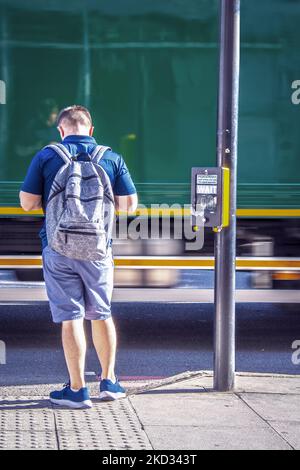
(126, 203)
(29, 201)
(32, 187)
(126, 199)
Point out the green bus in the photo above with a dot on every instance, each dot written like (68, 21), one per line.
(148, 71)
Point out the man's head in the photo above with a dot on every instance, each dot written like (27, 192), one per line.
(75, 120)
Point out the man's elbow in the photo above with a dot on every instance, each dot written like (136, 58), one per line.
(132, 204)
(29, 205)
(126, 203)
(26, 207)
(30, 208)
(132, 209)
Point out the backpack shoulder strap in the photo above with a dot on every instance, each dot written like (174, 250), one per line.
(61, 150)
(98, 153)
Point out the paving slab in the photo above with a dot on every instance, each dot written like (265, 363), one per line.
(268, 383)
(214, 438)
(279, 408)
(111, 425)
(34, 440)
(290, 432)
(281, 412)
(172, 408)
(25, 414)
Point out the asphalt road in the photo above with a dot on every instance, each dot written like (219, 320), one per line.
(155, 340)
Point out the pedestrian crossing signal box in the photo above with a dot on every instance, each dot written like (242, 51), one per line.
(210, 198)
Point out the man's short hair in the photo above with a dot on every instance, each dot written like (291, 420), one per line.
(74, 115)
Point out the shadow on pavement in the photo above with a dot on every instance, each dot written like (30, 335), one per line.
(27, 404)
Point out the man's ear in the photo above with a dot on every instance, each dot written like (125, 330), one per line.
(61, 131)
(91, 131)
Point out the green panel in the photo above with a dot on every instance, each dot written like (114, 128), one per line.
(269, 136)
(148, 71)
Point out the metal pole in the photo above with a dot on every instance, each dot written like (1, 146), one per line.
(225, 243)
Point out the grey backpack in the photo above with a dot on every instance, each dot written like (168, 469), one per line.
(80, 208)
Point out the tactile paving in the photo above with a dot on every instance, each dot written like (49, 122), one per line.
(109, 425)
(27, 424)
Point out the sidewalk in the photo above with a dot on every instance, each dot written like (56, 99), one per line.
(178, 413)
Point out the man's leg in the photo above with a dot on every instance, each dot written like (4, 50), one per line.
(74, 343)
(105, 342)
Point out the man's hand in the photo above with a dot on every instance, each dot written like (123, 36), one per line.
(126, 203)
(30, 202)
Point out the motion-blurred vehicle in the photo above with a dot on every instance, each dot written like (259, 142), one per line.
(148, 71)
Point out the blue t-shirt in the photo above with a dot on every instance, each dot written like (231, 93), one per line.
(46, 163)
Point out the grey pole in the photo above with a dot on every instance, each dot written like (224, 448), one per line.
(225, 243)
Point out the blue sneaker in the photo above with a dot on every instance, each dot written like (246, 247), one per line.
(66, 397)
(111, 391)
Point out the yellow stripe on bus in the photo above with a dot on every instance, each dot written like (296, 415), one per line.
(172, 212)
(18, 211)
(286, 276)
(167, 262)
(268, 212)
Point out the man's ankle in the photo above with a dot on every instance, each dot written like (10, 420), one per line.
(111, 377)
(75, 387)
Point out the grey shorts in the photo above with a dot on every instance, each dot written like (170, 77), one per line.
(78, 289)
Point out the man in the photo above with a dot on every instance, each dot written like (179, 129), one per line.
(78, 289)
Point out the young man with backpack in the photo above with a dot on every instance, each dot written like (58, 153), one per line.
(79, 185)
